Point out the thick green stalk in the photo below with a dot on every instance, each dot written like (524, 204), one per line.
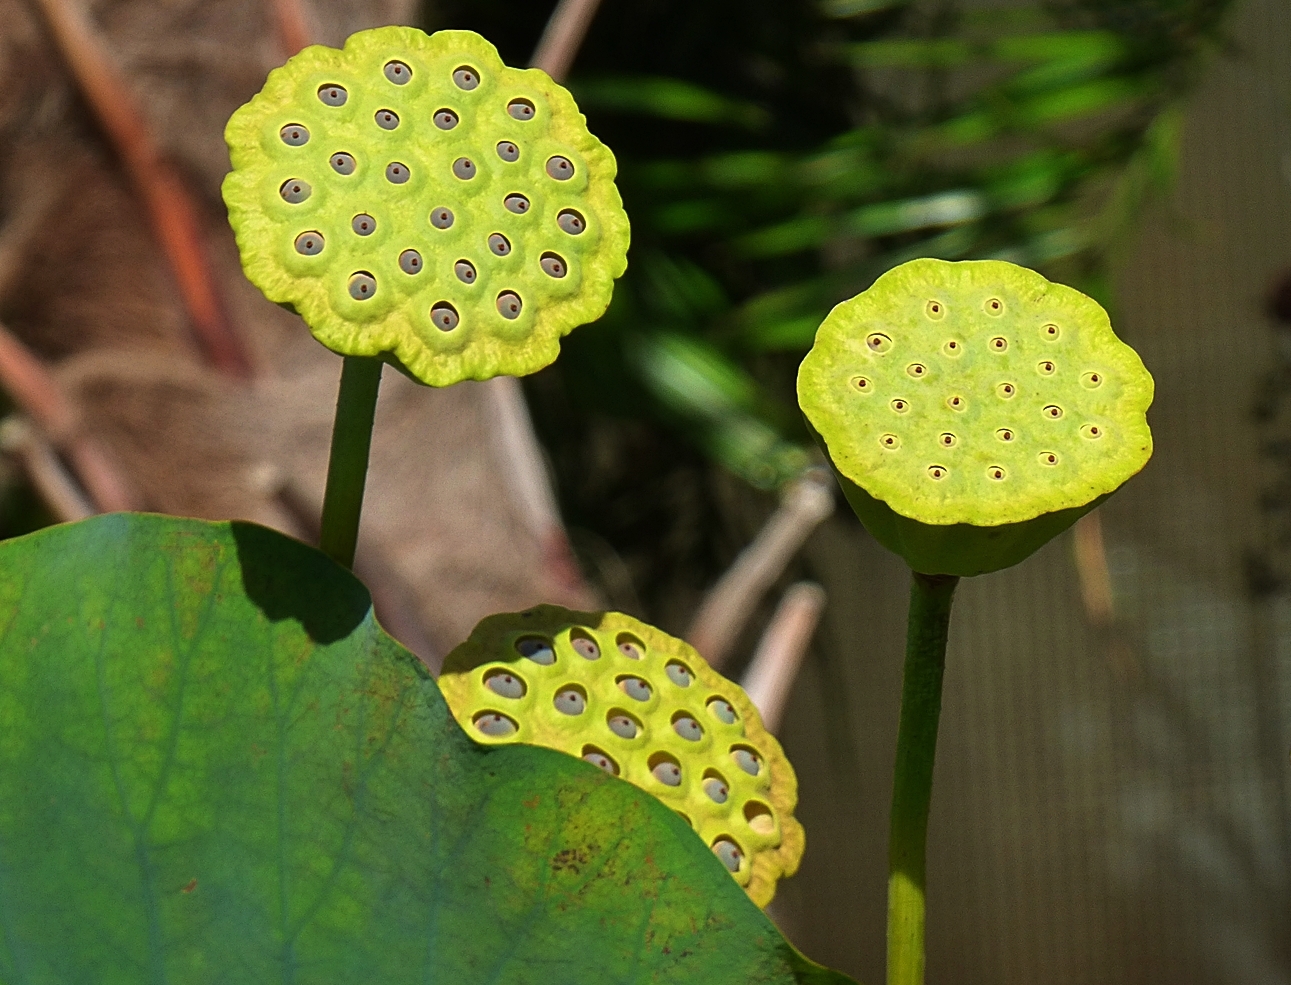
(347, 468)
(925, 660)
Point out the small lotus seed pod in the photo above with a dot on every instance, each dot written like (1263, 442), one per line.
(468, 148)
(977, 460)
(644, 707)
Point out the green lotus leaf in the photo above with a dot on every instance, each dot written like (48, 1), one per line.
(414, 198)
(974, 410)
(643, 706)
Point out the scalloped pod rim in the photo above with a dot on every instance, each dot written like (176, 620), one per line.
(389, 325)
(973, 410)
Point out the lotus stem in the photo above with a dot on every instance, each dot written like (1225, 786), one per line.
(347, 468)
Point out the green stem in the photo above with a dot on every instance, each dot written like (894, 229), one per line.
(925, 660)
(347, 468)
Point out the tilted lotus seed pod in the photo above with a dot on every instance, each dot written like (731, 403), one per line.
(414, 198)
(974, 410)
(646, 707)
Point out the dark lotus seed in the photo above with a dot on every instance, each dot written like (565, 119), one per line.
(520, 109)
(343, 163)
(936, 472)
(491, 723)
(536, 649)
(410, 262)
(362, 286)
(571, 222)
(1006, 390)
(1051, 331)
(509, 304)
(441, 218)
(1092, 431)
(722, 711)
(667, 773)
(999, 344)
(333, 95)
(1045, 368)
(294, 191)
(900, 406)
(747, 760)
(499, 244)
(602, 761)
(517, 203)
(585, 648)
(444, 317)
(466, 78)
(465, 271)
(445, 119)
(363, 224)
(552, 265)
(947, 440)
(994, 306)
(688, 729)
(1048, 458)
(878, 342)
(560, 168)
(1004, 434)
(916, 369)
(716, 789)
(1053, 411)
(570, 702)
(679, 674)
(464, 168)
(995, 472)
(861, 383)
(506, 685)
(387, 119)
(396, 173)
(729, 853)
(310, 244)
(294, 135)
(635, 688)
(508, 151)
(890, 441)
(398, 73)
(622, 726)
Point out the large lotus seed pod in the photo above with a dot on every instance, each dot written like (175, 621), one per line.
(646, 707)
(974, 410)
(414, 198)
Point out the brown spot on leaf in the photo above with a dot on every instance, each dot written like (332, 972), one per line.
(192, 884)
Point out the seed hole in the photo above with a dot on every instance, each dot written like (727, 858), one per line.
(536, 648)
(446, 119)
(1053, 412)
(444, 317)
(466, 77)
(747, 759)
(362, 285)
(935, 310)
(494, 724)
(1051, 331)
(441, 218)
(716, 787)
(499, 245)
(508, 151)
(1045, 367)
(294, 191)
(1091, 431)
(900, 406)
(396, 173)
(363, 224)
(342, 163)
(862, 384)
(509, 305)
(937, 472)
(995, 472)
(398, 72)
(665, 769)
(729, 852)
(310, 244)
(635, 688)
(601, 761)
(721, 709)
(465, 271)
(917, 370)
(410, 262)
(948, 440)
(759, 817)
(952, 347)
(890, 441)
(517, 203)
(520, 109)
(570, 700)
(622, 724)
(294, 135)
(332, 95)
(878, 342)
(1006, 390)
(956, 402)
(999, 343)
(571, 222)
(1048, 458)
(631, 647)
(679, 673)
(584, 645)
(560, 168)
(504, 683)
(387, 119)
(686, 726)
(1091, 381)
(464, 168)
(552, 265)
(994, 306)
(1004, 434)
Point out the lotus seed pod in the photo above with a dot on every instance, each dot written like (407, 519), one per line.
(645, 707)
(408, 144)
(974, 410)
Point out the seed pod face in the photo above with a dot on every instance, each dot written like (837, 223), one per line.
(651, 707)
(990, 436)
(443, 146)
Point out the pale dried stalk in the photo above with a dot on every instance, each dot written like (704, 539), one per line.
(55, 487)
(769, 679)
(292, 20)
(726, 609)
(1091, 568)
(563, 36)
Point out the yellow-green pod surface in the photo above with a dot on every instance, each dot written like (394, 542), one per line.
(414, 198)
(646, 707)
(974, 410)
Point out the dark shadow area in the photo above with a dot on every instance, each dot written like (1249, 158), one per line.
(289, 580)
